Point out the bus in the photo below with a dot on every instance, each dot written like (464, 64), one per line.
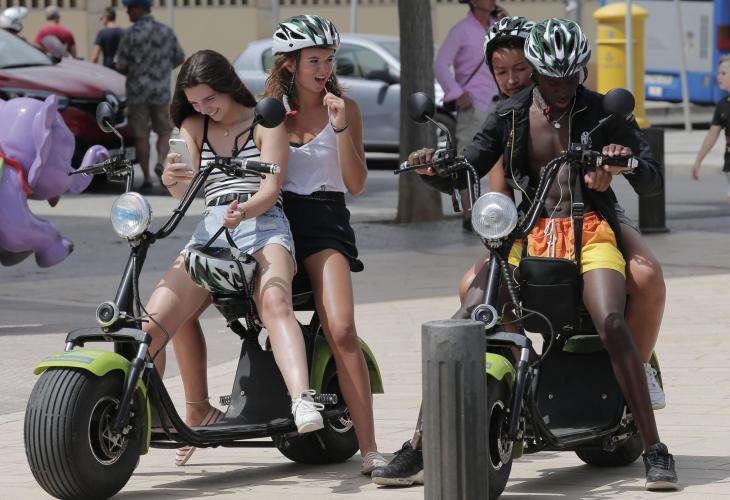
(706, 26)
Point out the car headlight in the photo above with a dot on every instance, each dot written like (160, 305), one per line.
(494, 216)
(131, 215)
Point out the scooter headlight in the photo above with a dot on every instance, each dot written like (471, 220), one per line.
(131, 215)
(494, 216)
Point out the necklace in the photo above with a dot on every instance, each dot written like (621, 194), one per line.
(545, 108)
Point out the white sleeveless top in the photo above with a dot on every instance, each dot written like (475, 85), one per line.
(313, 166)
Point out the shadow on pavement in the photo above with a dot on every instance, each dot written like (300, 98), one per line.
(615, 482)
(203, 483)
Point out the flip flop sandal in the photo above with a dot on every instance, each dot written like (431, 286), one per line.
(182, 455)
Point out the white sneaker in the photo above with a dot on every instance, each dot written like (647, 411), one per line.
(306, 413)
(656, 393)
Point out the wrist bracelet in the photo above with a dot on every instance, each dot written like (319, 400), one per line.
(338, 130)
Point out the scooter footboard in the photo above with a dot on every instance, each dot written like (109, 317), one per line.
(577, 393)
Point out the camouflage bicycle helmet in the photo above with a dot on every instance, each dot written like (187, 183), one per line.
(506, 30)
(301, 32)
(220, 270)
(557, 48)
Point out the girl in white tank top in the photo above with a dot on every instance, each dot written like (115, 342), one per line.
(326, 159)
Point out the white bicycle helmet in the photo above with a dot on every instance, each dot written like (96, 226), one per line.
(301, 32)
(10, 18)
(220, 270)
(557, 48)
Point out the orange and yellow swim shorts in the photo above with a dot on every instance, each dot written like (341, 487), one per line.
(555, 238)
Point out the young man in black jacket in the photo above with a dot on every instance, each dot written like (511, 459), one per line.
(528, 130)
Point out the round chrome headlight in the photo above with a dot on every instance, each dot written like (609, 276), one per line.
(131, 215)
(494, 216)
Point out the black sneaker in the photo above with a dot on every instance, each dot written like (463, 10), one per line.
(660, 473)
(405, 469)
(466, 225)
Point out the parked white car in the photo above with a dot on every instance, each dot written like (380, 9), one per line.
(369, 67)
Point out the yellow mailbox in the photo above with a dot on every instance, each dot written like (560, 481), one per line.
(611, 42)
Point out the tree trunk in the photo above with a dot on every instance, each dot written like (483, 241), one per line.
(416, 200)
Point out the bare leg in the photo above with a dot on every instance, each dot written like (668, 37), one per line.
(192, 357)
(142, 150)
(647, 292)
(273, 300)
(604, 293)
(163, 147)
(174, 294)
(329, 273)
(469, 275)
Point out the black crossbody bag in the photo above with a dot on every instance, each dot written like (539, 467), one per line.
(552, 286)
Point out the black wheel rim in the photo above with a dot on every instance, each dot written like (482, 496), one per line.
(500, 448)
(106, 446)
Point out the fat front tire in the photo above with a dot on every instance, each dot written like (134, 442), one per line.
(335, 443)
(68, 442)
(625, 454)
(500, 448)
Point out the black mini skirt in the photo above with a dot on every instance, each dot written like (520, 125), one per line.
(320, 221)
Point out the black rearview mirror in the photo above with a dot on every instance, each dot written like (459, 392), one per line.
(420, 107)
(619, 102)
(270, 112)
(104, 116)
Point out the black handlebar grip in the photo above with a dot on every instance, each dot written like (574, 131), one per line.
(261, 167)
(618, 161)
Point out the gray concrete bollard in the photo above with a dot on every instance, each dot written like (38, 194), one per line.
(652, 217)
(455, 450)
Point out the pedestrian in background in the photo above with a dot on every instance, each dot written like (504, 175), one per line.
(107, 39)
(54, 29)
(147, 54)
(465, 79)
(720, 120)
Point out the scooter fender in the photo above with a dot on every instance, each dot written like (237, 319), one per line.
(99, 363)
(321, 359)
(500, 368)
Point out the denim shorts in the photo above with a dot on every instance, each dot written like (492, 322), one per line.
(251, 235)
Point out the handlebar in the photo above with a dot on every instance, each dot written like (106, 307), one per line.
(590, 160)
(111, 166)
(260, 167)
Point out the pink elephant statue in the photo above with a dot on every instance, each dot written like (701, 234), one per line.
(36, 148)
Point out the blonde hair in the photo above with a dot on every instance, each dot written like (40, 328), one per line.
(279, 83)
(724, 59)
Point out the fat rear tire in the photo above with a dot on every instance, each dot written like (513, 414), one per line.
(335, 443)
(500, 448)
(625, 454)
(69, 453)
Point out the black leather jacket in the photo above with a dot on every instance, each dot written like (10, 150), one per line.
(505, 132)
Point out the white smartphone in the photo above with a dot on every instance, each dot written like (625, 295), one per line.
(180, 146)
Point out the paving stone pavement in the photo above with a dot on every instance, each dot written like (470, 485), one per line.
(693, 350)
